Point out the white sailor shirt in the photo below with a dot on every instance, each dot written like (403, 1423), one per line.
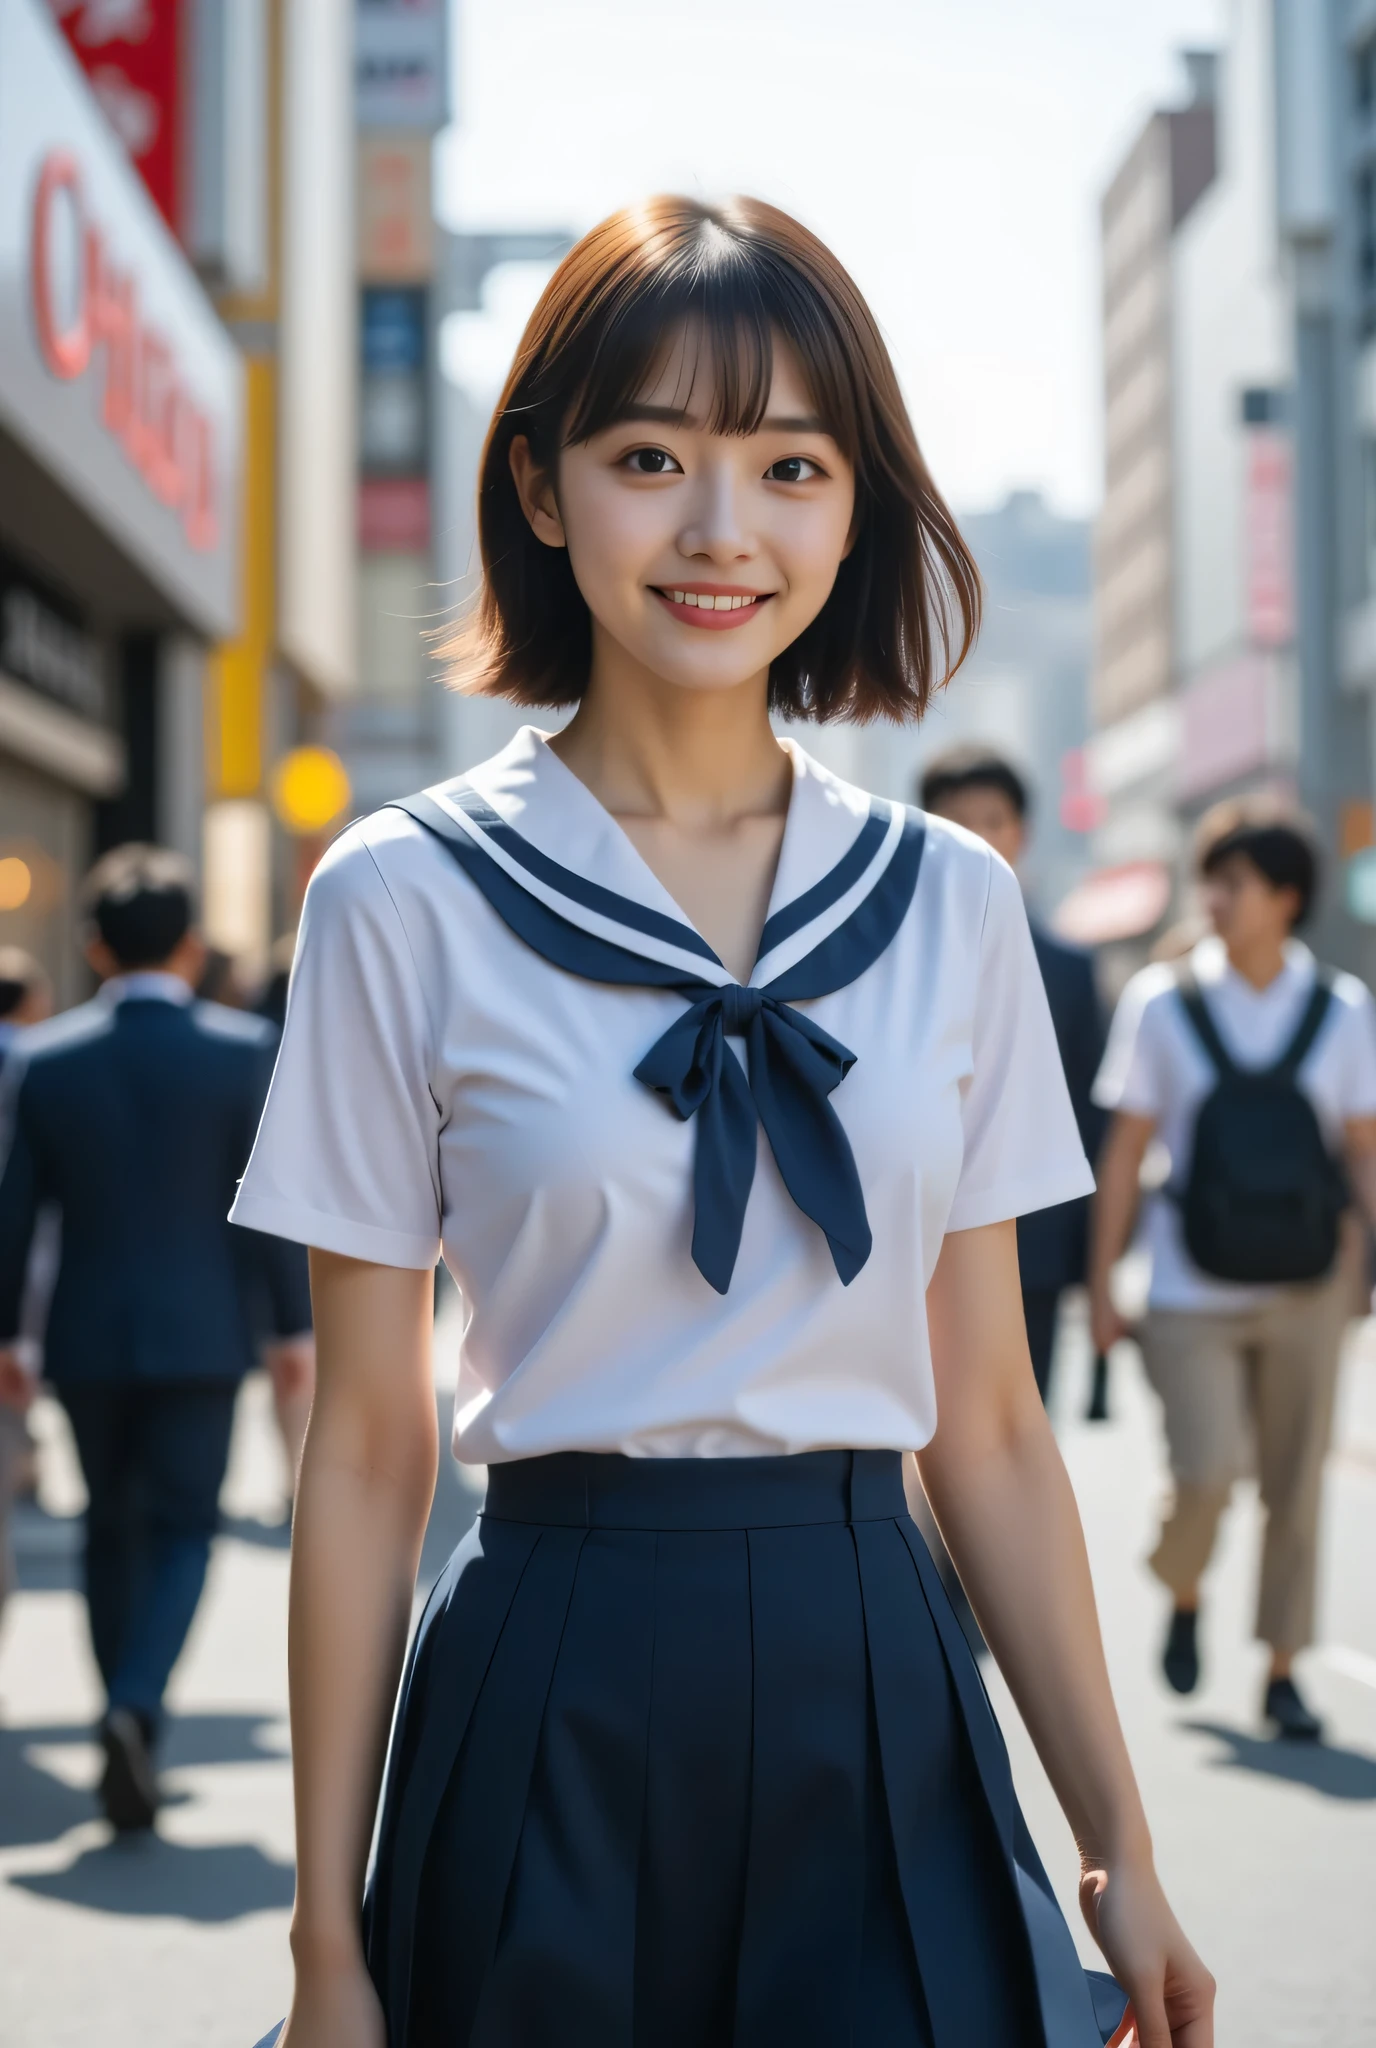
(687, 1218)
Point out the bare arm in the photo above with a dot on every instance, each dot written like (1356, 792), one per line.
(1001, 1496)
(1359, 1135)
(1115, 1210)
(367, 1479)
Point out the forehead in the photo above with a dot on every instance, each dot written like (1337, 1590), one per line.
(689, 373)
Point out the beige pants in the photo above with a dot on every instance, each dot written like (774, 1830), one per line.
(1244, 1391)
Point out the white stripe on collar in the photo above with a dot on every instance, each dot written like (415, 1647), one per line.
(563, 847)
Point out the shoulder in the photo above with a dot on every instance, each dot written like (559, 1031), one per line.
(1151, 995)
(64, 1037)
(232, 1027)
(956, 860)
(1351, 995)
(383, 874)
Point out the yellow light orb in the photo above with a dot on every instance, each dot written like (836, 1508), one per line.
(310, 787)
(16, 882)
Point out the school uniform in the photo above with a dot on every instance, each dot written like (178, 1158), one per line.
(689, 1748)
(1246, 1373)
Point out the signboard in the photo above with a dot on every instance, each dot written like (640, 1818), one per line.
(42, 644)
(131, 50)
(1270, 538)
(396, 237)
(114, 372)
(1227, 721)
(401, 64)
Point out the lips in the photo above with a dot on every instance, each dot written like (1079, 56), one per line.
(714, 607)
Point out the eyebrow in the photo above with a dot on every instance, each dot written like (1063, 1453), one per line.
(679, 416)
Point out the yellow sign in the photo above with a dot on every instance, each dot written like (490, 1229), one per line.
(310, 787)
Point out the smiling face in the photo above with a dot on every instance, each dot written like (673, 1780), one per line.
(700, 555)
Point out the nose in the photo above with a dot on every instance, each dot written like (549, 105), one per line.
(717, 527)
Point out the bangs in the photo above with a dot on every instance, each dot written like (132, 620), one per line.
(715, 309)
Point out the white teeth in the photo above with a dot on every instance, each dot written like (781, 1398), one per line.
(710, 604)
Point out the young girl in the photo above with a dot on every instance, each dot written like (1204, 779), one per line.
(719, 1085)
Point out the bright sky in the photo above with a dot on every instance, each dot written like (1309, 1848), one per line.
(950, 151)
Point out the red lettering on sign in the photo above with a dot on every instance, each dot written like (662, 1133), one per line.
(144, 402)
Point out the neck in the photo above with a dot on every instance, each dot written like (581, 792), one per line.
(647, 748)
(1257, 960)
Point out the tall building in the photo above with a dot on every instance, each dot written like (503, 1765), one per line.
(389, 732)
(235, 118)
(121, 425)
(1130, 763)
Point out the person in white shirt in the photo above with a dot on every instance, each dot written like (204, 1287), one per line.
(1242, 1365)
(718, 1084)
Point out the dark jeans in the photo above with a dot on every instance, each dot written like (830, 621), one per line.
(154, 1457)
(1039, 1306)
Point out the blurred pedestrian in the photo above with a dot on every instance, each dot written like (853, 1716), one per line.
(134, 1115)
(25, 998)
(978, 788)
(1256, 1070)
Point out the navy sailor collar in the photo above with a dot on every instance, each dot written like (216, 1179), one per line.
(562, 875)
(549, 834)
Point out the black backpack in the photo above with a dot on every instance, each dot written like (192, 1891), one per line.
(1264, 1193)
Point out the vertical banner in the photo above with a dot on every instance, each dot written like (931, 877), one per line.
(131, 51)
(1270, 539)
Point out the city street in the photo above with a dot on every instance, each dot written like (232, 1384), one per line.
(1267, 1850)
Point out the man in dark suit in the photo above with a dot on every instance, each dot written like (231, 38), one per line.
(977, 788)
(134, 1116)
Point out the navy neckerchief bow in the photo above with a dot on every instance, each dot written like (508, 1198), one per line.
(792, 1065)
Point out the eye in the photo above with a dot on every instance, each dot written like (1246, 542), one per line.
(651, 462)
(793, 469)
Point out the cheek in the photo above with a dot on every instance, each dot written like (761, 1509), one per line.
(611, 535)
(810, 542)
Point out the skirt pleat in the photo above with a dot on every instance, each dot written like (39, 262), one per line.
(697, 1785)
(694, 1755)
(1065, 1998)
(945, 1838)
(804, 1896)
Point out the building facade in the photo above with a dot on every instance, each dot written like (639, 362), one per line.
(121, 419)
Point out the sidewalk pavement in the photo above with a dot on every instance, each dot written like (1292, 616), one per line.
(1268, 1851)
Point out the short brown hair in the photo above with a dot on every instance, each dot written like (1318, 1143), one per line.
(1278, 840)
(904, 610)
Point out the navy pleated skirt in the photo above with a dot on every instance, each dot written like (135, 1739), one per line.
(692, 1753)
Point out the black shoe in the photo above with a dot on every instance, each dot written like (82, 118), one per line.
(1180, 1658)
(1287, 1713)
(128, 1790)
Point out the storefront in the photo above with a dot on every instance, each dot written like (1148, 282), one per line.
(120, 440)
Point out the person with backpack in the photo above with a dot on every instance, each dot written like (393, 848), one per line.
(1255, 1069)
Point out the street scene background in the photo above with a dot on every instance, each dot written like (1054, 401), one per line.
(1125, 260)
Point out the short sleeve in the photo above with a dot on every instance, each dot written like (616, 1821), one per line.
(1022, 1144)
(1133, 1078)
(1357, 1086)
(346, 1156)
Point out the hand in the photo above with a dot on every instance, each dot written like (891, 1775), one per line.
(335, 2006)
(17, 1384)
(1171, 1992)
(1106, 1325)
(291, 1364)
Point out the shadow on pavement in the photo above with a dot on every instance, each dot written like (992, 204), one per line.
(37, 1806)
(1337, 1773)
(209, 1883)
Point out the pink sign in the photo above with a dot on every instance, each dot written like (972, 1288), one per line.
(1270, 538)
